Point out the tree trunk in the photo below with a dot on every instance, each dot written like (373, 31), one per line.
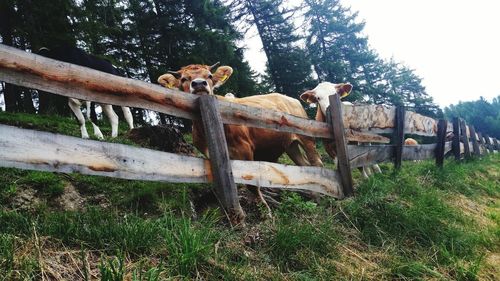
(11, 96)
(10, 92)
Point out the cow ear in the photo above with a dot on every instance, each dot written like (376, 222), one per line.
(344, 89)
(169, 81)
(221, 75)
(309, 97)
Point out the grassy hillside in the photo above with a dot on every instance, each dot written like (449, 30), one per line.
(422, 223)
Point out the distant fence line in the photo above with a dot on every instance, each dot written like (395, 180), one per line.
(28, 149)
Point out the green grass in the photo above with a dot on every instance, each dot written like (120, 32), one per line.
(413, 210)
(409, 218)
(300, 234)
(421, 223)
(49, 183)
(63, 125)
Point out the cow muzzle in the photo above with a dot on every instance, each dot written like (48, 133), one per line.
(199, 86)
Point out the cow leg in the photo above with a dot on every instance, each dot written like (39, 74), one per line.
(369, 170)
(244, 152)
(199, 140)
(113, 119)
(260, 199)
(376, 169)
(97, 131)
(75, 104)
(295, 154)
(309, 146)
(364, 172)
(128, 117)
(330, 148)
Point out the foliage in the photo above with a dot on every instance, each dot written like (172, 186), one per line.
(298, 233)
(483, 115)
(143, 38)
(288, 69)
(146, 38)
(340, 53)
(188, 246)
(112, 270)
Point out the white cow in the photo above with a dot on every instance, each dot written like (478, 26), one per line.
(320, 96)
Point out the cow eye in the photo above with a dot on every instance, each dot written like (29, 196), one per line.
(210, 76)
(183, 79)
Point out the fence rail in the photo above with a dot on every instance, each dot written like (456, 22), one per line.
(30, 70)
(35, 150)
(28, 149)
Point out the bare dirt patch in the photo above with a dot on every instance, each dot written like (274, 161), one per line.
(70, 199)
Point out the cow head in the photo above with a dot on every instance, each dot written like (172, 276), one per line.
(196, 78)
(320, 94)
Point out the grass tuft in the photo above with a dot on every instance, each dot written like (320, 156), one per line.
(49, 184)
(188, 245)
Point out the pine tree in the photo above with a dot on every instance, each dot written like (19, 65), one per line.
(172, 34)
(8, 21)
(288, 69)
(31, 25)
(483, 115)
(405, 87)
(336, 47)
(340, 53)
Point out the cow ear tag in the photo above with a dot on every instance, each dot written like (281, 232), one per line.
(345, 94)
(223, 78)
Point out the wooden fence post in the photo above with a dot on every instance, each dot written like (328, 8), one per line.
(441, 140)
(337, 123)
(219, 158)
(481, 142)
(475, 144)
(497, 145)
(465, 138)
(399, 135)
(489, 145)
(456, 138)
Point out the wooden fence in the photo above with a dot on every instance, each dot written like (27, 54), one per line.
(29, 149)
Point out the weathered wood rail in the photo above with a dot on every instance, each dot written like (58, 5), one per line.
(28, 149)
(30, 70)
(35, 150)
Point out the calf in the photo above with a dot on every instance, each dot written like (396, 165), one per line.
(79, 57)
(410, 141)
(320, 96)
(245, 143)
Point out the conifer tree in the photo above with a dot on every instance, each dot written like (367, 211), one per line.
(31, 25)
(340, 53)
(336, 47)
(288, 69)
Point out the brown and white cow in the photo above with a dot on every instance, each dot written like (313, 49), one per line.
(411, 142)
(245, 143)
(320, 96)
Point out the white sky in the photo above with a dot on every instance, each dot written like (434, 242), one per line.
(454, 45)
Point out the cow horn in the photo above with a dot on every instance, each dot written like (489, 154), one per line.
(176, 74)
(214, 65)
